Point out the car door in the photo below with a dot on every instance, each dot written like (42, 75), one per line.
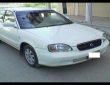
(9, 34)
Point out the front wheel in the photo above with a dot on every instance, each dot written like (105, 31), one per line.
(30, 56)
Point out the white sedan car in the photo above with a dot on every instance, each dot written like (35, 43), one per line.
(46, 37)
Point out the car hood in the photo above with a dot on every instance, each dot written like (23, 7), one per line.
(71, 34)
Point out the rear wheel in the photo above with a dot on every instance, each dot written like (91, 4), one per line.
(30, 56)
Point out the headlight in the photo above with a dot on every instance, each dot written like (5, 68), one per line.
(59, 48)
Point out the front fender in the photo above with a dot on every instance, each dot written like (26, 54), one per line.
(31, 39)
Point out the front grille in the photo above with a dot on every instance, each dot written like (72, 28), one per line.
(89, 45)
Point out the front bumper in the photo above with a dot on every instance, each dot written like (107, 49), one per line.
(66, 58)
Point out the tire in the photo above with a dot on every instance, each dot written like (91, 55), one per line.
(30, 56)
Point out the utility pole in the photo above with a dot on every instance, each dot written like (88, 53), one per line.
(48, 5)
(88, 11)
(64, 9)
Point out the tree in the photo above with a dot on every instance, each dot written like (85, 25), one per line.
(42, 5)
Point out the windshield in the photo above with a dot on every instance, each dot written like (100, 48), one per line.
(37, 19)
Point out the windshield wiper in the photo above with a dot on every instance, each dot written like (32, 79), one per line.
(55, 24)
(65, 23)
(69, 23)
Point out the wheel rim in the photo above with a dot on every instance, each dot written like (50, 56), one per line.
(30, 57)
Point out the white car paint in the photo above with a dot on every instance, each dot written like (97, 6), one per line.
(40, 38)
(70, 34)
(9, 34)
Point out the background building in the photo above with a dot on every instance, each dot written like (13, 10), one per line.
(98, 9)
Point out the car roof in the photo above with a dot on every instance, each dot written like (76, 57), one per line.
(24, 9)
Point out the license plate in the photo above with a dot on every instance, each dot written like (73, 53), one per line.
(95, 54)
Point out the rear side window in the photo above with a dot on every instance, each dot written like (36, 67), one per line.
(9, 17)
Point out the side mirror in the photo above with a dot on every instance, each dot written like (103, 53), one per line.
(8, 24)
(1, 17)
